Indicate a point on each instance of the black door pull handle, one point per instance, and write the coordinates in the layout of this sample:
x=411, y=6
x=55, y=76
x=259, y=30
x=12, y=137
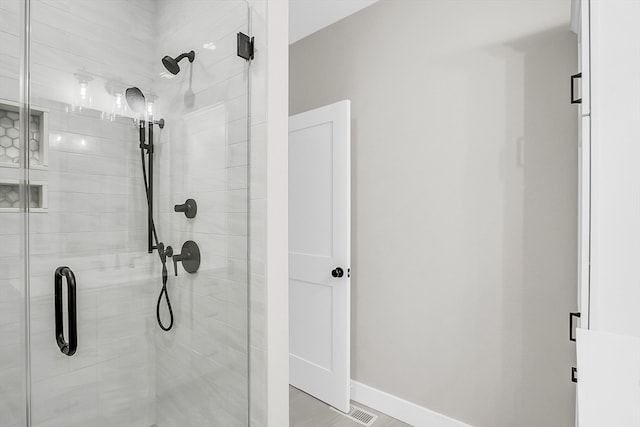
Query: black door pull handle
x=68, y=348
x=337, y=272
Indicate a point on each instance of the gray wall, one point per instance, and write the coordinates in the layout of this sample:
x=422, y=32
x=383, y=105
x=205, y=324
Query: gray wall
x=464, y=200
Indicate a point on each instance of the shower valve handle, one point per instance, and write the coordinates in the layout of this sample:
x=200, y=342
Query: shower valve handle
x=189, y=256
x=189, y=207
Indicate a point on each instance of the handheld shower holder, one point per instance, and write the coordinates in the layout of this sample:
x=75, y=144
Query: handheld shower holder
x=189, y=207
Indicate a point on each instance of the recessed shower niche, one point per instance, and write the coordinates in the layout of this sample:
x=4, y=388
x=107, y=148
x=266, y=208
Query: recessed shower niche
x=10, y=135
x=10, y=196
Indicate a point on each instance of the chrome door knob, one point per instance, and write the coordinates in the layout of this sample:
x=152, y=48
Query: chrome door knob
x=337, y=272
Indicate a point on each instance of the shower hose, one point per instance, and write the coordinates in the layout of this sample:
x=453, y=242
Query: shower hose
x=163, y=256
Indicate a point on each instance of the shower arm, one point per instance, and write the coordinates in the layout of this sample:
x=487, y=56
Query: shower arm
x=184, y=55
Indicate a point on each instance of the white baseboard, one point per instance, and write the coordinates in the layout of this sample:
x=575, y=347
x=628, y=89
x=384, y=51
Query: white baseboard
x=400, y=409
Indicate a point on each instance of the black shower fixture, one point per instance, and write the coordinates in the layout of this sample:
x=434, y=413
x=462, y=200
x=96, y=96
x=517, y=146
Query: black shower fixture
x=136, y=100
x=171, y=64
x=138, y=103
x=190, y=208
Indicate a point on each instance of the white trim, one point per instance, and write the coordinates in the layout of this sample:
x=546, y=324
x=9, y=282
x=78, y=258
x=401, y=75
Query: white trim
x=277, y=212
x=574, y=26
x=400, y=409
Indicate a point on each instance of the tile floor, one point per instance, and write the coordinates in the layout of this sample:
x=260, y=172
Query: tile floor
x=306, y=411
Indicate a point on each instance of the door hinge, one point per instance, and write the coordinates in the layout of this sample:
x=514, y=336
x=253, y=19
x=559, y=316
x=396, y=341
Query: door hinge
x=245, y=46
x=574, y=374
x=575, y=100
x=348, y=272
x=571, y=316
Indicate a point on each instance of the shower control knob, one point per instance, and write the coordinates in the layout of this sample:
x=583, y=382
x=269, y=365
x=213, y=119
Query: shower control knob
x=189, y=256
x=190, y=208
x=337, y=272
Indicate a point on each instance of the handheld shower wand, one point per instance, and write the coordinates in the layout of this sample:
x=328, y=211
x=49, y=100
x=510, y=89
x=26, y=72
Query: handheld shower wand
x=137, y=102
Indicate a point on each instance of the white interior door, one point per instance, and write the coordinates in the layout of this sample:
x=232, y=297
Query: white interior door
x=319, y=253
x=608, y=347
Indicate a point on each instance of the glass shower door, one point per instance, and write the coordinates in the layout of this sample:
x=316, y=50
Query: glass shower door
x=202, y=364
x=89, y=229
x=117, y=132
x=13, y=200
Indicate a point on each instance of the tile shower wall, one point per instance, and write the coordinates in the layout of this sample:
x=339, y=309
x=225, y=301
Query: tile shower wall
x=202, y=366
x=95, y=223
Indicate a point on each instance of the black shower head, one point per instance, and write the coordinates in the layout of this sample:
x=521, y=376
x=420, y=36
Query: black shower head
x=138, y=103
x=171, y=64
x=136, y=100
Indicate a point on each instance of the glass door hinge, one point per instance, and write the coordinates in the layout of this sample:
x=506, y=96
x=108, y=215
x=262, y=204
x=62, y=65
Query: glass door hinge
x=245, y=46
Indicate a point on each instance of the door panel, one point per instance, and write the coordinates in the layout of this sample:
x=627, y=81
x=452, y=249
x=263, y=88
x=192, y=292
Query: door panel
x=319, y=243
x=313, y=195
x=608, y=379
x=311, y=335
x=615, y=178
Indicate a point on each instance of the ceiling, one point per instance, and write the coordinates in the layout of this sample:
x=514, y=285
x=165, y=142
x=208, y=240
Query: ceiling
x=308, y=16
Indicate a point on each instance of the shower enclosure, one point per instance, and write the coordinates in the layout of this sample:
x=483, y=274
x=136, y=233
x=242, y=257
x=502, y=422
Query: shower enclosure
x=80, y=291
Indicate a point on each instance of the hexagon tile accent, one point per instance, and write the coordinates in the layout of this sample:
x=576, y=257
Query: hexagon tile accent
x=10, y=196
x=10, y=138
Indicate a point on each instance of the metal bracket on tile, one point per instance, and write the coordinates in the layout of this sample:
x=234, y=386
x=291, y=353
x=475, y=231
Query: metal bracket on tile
x=245, y=46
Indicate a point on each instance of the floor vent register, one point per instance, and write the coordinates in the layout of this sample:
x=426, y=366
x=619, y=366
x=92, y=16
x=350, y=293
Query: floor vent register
x=359, y=415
